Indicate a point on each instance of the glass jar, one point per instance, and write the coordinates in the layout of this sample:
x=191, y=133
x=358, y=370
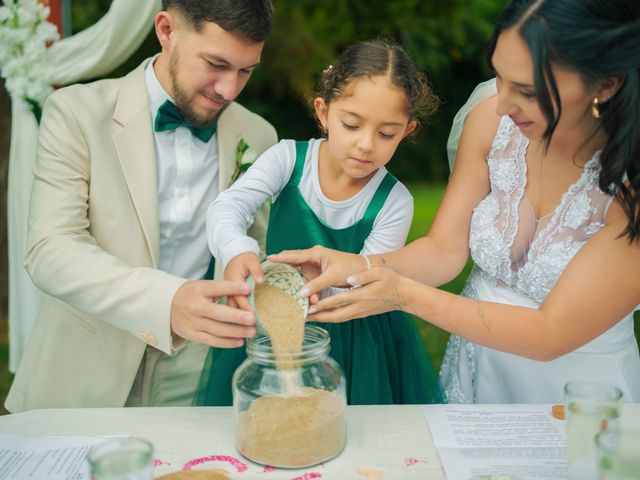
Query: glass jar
x=122, y=459
x=291, y=412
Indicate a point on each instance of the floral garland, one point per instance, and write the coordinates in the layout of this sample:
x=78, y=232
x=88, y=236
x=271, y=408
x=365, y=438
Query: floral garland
x=24, y=36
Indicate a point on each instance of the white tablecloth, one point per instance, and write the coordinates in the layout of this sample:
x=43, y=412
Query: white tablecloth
x=383, y=442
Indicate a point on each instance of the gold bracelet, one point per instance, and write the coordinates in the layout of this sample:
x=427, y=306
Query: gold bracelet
x=366, y=259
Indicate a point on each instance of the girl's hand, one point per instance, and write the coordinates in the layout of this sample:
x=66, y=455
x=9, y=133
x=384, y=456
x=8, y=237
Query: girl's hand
x=238, y=270
x=325, y=267
x=374, y=291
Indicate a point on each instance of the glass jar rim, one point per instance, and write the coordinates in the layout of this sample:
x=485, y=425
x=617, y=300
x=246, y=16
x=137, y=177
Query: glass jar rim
x=138, y=445
x=315, y=346
x=592, y=389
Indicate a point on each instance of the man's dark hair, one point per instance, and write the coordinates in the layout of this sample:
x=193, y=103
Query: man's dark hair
x=252, y=19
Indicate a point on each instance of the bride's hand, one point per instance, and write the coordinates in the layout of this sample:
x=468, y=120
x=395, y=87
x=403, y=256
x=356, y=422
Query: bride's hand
x=322, y=267
x=374, y=291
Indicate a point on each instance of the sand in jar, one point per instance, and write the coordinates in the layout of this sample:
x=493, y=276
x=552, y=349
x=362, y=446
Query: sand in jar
x=301, y=426
x=294, y=431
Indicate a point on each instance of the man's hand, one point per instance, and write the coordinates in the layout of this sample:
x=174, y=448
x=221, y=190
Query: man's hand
x=197, y=316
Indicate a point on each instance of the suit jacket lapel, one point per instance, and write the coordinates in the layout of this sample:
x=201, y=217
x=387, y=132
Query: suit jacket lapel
x=229, y=134
x=134, y=144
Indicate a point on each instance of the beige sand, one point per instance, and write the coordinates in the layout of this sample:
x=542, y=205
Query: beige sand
x=282, y=317
x=302, y=426
x=293, y=431
x=216, y=474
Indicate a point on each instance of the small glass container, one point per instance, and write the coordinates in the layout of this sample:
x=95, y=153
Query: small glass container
x=122, y=459
x=290, y=413
x=618, y=454
x=590, y=407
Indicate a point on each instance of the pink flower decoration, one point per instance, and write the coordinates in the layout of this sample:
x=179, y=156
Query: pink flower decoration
x=234, y=462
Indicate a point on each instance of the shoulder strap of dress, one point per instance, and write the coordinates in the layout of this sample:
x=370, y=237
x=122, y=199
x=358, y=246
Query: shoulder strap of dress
x=301, y=154
x=380, y=197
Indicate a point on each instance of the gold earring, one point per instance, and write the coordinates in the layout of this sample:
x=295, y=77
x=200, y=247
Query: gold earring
x=595, y=108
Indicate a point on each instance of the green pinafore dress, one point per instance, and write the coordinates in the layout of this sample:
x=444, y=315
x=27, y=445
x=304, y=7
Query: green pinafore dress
x=383, y=357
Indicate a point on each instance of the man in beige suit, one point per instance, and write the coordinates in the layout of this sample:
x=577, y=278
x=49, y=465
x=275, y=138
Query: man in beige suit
x=125, y=171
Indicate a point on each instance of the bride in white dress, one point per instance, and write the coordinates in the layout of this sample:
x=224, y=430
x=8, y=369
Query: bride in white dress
x=518, y=259
x=544, y=196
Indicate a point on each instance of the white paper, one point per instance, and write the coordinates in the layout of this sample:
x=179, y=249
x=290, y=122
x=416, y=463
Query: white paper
x=504, y=441
x=46, y=458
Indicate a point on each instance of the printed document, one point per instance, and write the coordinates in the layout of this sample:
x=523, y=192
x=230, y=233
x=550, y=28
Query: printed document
x=498, y=441
x=45, y=458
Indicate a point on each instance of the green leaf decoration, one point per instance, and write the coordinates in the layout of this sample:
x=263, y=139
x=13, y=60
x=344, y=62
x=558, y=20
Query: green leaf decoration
x=35, y=108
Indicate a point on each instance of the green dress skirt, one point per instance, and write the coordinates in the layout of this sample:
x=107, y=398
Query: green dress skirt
x=383, y=357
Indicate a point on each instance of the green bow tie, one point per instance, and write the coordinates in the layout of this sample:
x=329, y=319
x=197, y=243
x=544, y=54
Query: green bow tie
x=170, y=118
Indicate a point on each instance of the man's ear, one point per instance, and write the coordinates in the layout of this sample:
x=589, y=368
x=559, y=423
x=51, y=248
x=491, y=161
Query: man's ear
x=165, y=25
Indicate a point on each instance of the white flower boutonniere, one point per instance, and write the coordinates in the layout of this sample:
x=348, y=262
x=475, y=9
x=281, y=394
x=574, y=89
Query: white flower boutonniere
x=245, y=156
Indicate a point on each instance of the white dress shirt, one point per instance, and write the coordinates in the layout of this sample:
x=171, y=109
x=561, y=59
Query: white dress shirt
x=187, y=183
x=232, y=212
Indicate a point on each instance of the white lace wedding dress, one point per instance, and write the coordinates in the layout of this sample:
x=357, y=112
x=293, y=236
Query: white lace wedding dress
x=518, y=260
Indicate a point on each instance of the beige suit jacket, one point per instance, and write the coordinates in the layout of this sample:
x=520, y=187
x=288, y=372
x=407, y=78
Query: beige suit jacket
x=94, y=242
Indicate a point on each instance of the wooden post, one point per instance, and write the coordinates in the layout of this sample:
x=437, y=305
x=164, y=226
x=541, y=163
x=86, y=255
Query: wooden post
x=60, y=15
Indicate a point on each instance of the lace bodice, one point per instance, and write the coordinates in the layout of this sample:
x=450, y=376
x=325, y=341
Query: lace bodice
x=519, y=256
x=508, y=244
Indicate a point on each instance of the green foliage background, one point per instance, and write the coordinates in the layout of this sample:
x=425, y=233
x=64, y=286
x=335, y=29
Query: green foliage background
x=445, y=39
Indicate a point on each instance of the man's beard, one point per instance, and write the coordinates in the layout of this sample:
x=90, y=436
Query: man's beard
x=182, y=99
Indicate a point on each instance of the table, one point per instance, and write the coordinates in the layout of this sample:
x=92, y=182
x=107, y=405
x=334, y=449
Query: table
x=387, y=442
x=384, y=442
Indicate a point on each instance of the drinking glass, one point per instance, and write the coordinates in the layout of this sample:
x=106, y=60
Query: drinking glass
x=591, y=407
x=618, y=454
x=122, y=459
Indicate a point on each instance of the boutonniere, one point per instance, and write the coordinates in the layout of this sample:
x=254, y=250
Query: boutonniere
x=245, y=156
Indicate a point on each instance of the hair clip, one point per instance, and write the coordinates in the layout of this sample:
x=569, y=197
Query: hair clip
x=328, y=69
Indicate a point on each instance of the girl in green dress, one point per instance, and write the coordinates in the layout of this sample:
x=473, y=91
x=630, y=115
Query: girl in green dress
x=336, y=192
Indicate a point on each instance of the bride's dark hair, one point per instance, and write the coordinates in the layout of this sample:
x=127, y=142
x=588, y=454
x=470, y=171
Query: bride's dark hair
x=598, y=39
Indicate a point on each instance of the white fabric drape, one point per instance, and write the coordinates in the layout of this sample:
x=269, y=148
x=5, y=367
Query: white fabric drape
x=91, y=53
x=483, y=90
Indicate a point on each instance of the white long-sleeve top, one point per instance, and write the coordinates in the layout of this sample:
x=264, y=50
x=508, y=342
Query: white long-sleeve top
x=232, y=212
x=187, y=183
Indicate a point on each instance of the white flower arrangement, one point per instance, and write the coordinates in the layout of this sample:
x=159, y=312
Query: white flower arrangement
x=24, y=36
x=245, y=156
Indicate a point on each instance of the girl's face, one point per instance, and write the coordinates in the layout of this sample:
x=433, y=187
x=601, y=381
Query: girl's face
x=364, y=125
x=517, y=95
